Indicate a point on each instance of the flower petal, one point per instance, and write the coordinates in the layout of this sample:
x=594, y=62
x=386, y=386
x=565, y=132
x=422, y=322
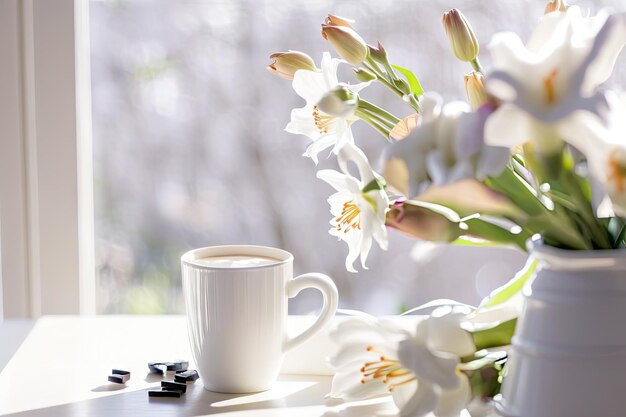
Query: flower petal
x=445, y=333
x=302, y=123
x=353, y=239
x=433, y=367
x=310, y=85
x=318, y=145
x=329, y=70
x=431, y=105
x=508, y=126
x=366, y=245
x=340, y=182
x=608, y=43
x=348, y=352
x=421, y=403
x=347, y=384
x=452, y=402
x=343, y=134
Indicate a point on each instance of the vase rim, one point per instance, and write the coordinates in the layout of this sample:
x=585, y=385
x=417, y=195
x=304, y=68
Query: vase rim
x=570, y=259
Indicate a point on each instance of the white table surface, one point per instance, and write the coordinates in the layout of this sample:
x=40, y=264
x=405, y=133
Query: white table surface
x=61, y=369
x=12, y=334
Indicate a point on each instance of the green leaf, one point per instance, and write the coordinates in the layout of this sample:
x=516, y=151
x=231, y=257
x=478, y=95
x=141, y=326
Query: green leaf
x=616, y=227
x=514, y=286
x=494, y=233
x=416, y=87
x=470, y=241
x=518, y=190
x=498, y=335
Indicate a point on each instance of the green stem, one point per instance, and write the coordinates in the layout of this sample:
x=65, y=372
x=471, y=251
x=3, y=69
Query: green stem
x=585, y=209
x=366, y=117
x=368, y=106
x=381, y=76
x=476, y=65
x=484, y=375
x=388, y=125
x=385, y=78
x=414, y=102
x=554, y=224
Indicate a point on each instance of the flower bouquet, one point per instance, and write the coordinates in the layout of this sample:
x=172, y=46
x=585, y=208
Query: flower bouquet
x=537, y=153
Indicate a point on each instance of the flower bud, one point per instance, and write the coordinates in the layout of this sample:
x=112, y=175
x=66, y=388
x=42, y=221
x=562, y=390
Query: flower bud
x=286, y=64
x=348, y=44
x=340, y=102
x=378, y=53
x=556, y=6
x=424, y=221
x=332, y=20
x=461, y=36
x=475, y=89
x=364, y=75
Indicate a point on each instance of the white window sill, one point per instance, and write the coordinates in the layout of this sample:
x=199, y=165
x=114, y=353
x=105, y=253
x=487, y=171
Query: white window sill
x=61, y=369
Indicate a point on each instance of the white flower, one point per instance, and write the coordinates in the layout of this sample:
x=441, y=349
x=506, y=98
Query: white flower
x=604, y=145
x=418, y=366
x=358, y=207
x=325, y=130
x=433, y=355
x=366, y=363
x=447, y=146
x=545, y=83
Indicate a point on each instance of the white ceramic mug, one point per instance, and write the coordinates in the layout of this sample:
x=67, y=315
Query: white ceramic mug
x=236, y=315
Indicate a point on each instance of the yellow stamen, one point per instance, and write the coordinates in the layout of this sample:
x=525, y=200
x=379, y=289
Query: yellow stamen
x=389, y=371
x=322, y=121
x=350, y=217
x=548, y=84
x=617, y=172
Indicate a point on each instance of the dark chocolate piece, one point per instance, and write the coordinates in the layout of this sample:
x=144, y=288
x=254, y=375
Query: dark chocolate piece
x=162, y=367
x=161, y=393
x=173, y=386
x=157, y=367
x=186, y=376
x=178, y=365
x=119, y=372
x=119, y=379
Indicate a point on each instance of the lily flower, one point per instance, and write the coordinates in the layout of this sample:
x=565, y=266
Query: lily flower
x=358, y=207
x=604, y=145
x=418, y=365
x=324, y=129
x=445, y=147
x=366, y=363
x=547, y=82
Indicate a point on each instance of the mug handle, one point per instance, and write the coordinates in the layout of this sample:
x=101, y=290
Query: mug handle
x=327, y=287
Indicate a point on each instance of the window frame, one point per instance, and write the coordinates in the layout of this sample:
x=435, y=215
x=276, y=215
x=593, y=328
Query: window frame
x=46, y=181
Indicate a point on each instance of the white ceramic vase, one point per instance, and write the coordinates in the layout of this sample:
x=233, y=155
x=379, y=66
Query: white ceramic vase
x=569, y=351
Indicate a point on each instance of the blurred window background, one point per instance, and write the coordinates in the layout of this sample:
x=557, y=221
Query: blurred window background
x=190, y=151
